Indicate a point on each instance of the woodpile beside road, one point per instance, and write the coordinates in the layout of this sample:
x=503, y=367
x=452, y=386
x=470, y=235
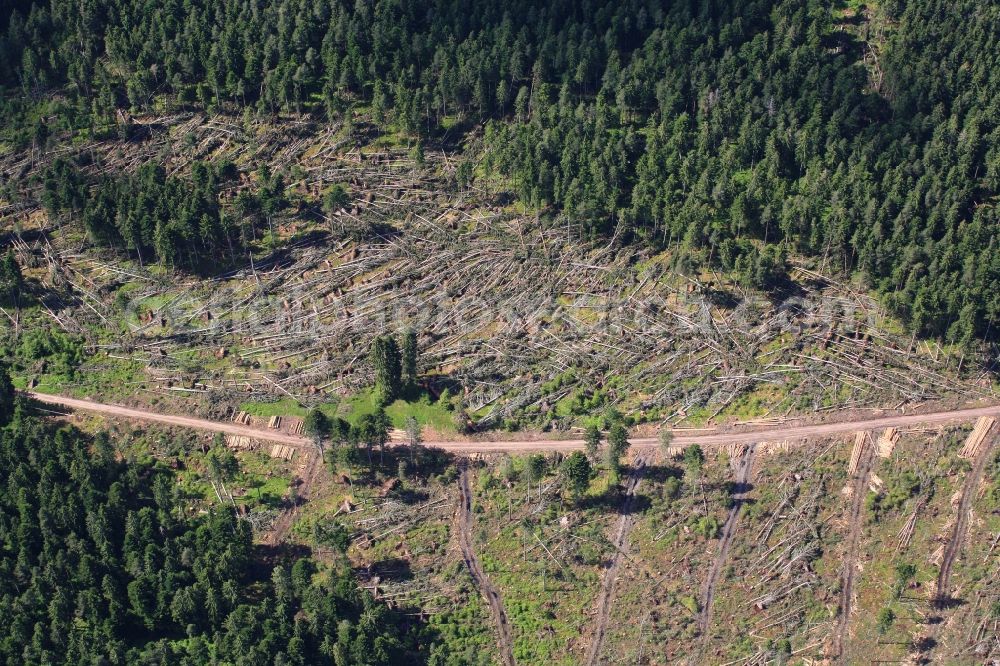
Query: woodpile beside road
x=282, y=451
x=860, y=440
x=976, y=438
x=887, y=442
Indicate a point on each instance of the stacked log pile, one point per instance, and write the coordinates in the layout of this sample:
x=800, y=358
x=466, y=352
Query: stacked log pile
x=974, y=441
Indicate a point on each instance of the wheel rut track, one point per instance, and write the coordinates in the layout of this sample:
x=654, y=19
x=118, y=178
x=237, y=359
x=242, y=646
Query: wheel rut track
x=942, y=595
x=620, y=543
x=729, y=529
x=287, y=517
x=954, y=547
x=505, y=640
x=853, y=538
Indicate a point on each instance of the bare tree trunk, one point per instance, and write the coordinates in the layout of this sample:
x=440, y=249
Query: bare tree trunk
x=228, y=494
x=217, y=494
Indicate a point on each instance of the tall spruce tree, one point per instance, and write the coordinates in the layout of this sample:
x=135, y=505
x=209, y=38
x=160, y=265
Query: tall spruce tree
x=387, y=364
x=409, y=362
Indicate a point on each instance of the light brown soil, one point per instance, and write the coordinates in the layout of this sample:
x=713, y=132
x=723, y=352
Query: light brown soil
x=749, y=436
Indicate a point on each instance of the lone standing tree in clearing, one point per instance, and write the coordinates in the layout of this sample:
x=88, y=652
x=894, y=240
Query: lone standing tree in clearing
x=592, y=442
x=666, y=441
x=409, y=362
x=617, y=446
x=535, y=470
x=576, y=473
x=694, y=460
x=317, y=426
x=386, y=362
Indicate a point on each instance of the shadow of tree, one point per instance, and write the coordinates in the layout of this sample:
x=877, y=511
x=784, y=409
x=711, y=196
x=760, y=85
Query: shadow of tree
x=394, y=569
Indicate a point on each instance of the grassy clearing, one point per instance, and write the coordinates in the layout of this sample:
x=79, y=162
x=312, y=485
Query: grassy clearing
x=434, y=414
x=548, y=590
x=887, y=511
x=671, y=548
x=413, y=552
x=757, y=403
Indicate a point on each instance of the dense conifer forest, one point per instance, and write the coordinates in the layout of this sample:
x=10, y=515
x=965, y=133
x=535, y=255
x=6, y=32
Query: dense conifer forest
x=863, y=134
x=174, y=220
x=100, y=564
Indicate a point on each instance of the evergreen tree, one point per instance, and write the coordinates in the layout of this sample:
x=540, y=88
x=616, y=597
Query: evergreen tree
x=222, y=467
x=694, y=460
x=11, y=280
x=576, y=473
x=666, y=440
x=535, y=470
x=8, y=396
x=316, y=425
x=386, y=362
x=373, y=430
x=409, y=362
x=592, y=441
x=414, y=436
x=617, y=445
x=334, y=199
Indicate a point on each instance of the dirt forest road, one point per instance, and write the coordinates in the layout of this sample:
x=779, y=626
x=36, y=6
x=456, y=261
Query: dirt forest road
x=287, y=516
x=769, y=434
x=130, y=414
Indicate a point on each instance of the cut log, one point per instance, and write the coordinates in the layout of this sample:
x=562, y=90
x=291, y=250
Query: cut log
x=976, y=438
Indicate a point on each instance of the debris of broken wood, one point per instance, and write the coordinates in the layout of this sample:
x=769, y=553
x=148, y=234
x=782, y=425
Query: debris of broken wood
x=887, y=442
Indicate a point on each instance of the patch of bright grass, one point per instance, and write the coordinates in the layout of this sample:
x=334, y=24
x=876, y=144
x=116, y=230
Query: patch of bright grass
x=427, y=412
